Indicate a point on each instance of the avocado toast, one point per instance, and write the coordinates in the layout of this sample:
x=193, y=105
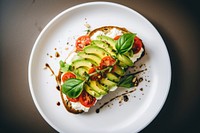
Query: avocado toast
x=98, y=66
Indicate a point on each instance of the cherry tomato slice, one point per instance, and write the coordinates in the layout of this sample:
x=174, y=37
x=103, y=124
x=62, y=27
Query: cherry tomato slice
x=117, y=37
x=114, y=68
x=86, y=99
x=91, y=70
x=67, y=76
x=137, y=45
x=73, y=99
x=96, y=76
x=107, y=61
x=82, y=41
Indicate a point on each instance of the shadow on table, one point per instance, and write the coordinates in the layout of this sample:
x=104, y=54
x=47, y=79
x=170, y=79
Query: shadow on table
x=168, y=120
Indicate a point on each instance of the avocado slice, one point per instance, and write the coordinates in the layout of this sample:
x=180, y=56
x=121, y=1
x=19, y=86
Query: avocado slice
x=102, y=86
x=80, y=72
x=129, y=53
x=104, y=45
x=118, y=70
x=108, y=40
x=96, y=88
x=96, y=51
x=91, y=91
x=112, y=77
x=126, y=60
x=122, y=64
x=92, y=57
x=83, y=63
x=107, y=82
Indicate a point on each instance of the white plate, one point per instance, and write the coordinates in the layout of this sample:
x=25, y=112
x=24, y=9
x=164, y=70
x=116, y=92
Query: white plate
x=131, y=116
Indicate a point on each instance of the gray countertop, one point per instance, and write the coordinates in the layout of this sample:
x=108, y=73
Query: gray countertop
x=21, y=21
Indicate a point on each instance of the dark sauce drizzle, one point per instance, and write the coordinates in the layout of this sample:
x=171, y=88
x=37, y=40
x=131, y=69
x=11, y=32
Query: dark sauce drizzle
x=124, y=96
x=58, y=87
x=57, y=77
x=58, y=103
x=47, y=66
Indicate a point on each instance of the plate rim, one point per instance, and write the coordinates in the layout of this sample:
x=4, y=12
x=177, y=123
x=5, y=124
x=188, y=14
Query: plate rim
x=60, y=15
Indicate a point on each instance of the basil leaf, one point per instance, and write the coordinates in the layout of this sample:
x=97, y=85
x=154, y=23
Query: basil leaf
x=73, y=87
x=126, y=82
x=125, y=43
x=64, y=67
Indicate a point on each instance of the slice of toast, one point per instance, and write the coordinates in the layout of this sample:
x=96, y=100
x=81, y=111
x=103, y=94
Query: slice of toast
x=105, y=29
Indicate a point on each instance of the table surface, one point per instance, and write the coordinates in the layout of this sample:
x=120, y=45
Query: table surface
x=176, y=20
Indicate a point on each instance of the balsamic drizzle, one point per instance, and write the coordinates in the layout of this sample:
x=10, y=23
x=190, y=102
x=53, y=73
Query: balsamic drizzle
x=124, y=96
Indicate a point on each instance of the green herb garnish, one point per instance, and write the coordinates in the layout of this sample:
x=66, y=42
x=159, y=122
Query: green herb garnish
x=64, y=67
x=73, y=87
x=126, y=81
x=125, y=43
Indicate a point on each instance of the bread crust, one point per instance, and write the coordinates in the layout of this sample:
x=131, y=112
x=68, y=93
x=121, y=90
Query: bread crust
x=106, y=29
x=68, y=105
